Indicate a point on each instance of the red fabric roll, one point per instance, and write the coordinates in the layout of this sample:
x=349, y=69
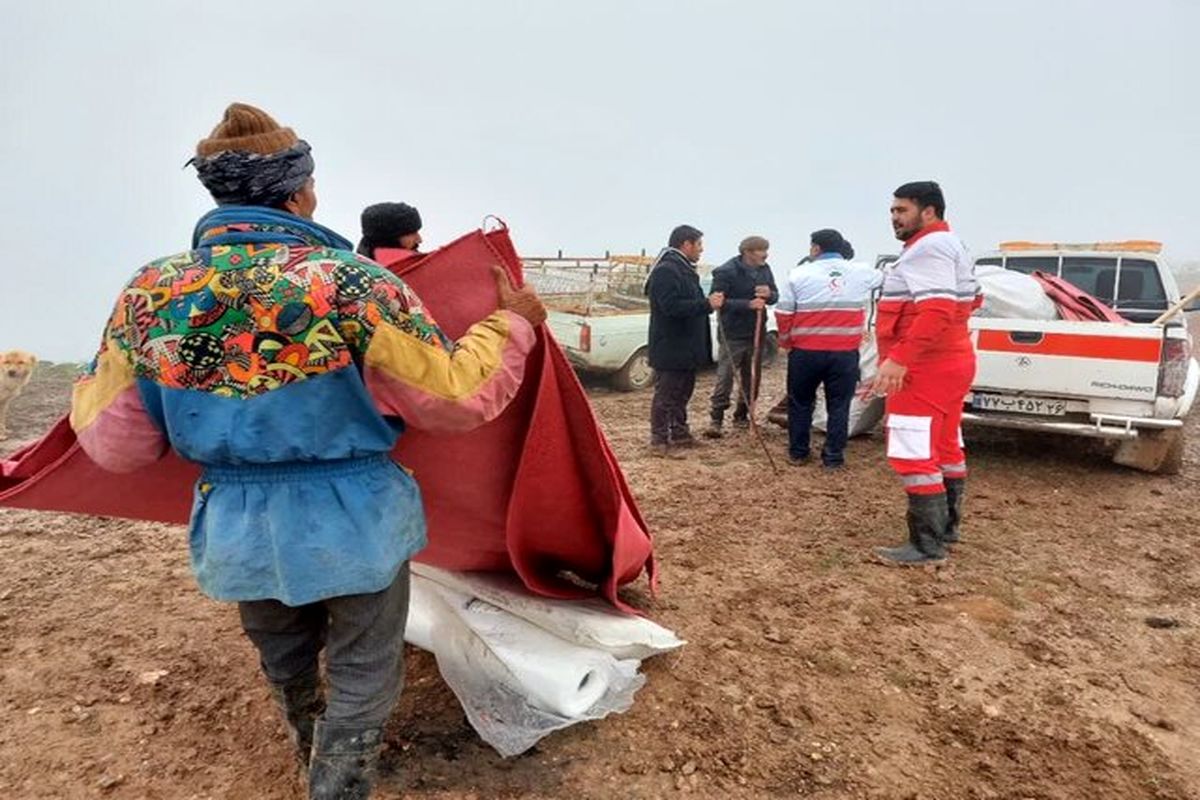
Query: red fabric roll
x=537, y=491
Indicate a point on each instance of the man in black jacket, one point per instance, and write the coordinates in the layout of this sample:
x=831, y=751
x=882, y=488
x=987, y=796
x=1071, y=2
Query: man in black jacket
x=749, y=287
x=680, y=342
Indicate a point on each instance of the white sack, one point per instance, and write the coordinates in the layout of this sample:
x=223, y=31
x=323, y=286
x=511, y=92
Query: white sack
x=1008, y=294
x=866, y=410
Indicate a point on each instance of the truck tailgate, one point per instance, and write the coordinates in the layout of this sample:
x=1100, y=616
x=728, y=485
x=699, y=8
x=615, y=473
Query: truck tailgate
x=1067, y=359
x=565, y=327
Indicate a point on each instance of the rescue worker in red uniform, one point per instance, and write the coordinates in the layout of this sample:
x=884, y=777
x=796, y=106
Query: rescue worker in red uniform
x=927, y=363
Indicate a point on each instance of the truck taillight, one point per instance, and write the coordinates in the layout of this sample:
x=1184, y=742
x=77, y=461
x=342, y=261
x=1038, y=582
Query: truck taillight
x=1176, y=354
x=585, y=338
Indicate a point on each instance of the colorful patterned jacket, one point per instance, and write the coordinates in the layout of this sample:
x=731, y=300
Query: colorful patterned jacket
x=287, y=366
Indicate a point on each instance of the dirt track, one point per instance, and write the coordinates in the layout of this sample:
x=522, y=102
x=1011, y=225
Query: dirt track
x=1024, y=670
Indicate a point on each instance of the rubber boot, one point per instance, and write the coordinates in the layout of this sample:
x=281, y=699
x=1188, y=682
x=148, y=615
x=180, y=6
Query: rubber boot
x=927, y=516
x=343, y=762
x=301, y=702
x=955, y=491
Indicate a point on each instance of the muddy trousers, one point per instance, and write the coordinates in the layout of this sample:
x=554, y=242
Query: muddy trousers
x=924, y=426
x=363, y=639
x=668, y=410
x=737, y=355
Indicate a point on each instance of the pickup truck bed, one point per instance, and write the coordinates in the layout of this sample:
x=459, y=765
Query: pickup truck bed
x=1133, y=384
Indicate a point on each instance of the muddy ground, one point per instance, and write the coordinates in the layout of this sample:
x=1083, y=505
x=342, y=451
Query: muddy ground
x=1025, y=669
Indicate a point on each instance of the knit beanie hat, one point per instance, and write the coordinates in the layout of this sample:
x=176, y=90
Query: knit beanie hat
x=753, y=243
x=249, y=160
x=247, y=129
x=828, y=240
x=384, y=223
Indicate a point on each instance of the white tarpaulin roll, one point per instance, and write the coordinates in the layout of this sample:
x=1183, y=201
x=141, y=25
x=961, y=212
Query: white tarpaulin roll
x=590, y=623
x=517, y=681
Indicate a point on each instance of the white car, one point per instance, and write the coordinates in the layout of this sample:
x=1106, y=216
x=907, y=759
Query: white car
x=607, y=338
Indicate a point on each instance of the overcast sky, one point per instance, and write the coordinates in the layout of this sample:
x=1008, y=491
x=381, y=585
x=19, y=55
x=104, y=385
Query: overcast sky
x=591, y=126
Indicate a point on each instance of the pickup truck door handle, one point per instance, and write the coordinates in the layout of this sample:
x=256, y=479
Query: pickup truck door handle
x=1025, y=337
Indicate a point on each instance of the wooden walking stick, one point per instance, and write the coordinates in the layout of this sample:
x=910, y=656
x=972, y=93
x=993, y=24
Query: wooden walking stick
x=751, y=398
x=758, y=326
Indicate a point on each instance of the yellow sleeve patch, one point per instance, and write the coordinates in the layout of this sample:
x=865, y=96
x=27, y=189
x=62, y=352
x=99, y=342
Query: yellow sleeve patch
x=430, y=368
x=91, y=395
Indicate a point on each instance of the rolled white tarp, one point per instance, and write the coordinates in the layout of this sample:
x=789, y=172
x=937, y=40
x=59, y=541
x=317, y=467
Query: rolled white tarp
x=590, y=623
x=517, y=681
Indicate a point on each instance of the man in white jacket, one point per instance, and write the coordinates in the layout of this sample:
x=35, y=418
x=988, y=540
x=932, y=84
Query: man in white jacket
x=822, y=312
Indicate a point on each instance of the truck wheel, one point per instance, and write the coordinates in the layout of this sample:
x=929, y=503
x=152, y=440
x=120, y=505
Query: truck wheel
x=637, y=373
x=1160, y=452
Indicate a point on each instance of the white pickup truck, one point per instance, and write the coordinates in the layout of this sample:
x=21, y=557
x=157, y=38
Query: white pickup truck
x=605, y=329
x=1129, y=383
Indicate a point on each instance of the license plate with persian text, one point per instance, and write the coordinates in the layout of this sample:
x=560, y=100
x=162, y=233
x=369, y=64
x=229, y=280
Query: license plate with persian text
x=1018, y=404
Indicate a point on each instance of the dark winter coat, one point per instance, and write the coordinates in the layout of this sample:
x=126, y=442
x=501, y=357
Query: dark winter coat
x=679, y=334
x=738, y=282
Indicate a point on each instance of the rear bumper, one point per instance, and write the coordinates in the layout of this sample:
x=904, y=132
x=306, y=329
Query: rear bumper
x=1102, y=426
x=579, y=361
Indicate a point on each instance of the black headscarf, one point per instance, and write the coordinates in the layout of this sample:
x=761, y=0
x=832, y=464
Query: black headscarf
x=237, y=177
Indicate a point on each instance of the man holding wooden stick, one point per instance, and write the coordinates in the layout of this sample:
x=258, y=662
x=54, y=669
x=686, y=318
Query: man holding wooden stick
x=749, y=287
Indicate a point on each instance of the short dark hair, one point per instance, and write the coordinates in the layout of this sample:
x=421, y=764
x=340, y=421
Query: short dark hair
x=684, y=233
x=828, y=240
x=923, y=193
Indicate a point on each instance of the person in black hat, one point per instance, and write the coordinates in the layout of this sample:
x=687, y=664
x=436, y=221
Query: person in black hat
x=391, y=233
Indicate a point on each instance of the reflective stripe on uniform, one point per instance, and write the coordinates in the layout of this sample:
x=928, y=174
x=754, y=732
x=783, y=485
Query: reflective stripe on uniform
x=921, y=480
x=826, y=331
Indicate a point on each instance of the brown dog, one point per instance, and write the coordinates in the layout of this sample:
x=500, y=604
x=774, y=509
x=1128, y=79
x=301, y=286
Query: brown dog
x=16, y=367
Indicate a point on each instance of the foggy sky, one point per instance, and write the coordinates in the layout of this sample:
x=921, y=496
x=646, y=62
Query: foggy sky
x=591, y=126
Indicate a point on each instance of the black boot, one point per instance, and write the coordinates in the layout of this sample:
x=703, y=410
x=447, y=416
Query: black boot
x=927, y=520
x=343, y=762
x=302, y=702
x=956, y=489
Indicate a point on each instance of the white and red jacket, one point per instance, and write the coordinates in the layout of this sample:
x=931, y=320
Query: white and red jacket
x=928, y=296
x=823, y=304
